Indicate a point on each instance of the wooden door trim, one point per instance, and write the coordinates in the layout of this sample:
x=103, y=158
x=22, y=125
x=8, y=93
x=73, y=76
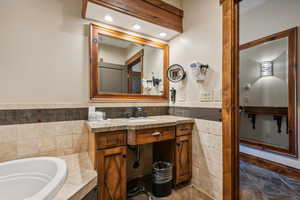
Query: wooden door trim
x=266, y=147
x=135, y=57
x=272, y=166
x=230, y=100
x=138, y=56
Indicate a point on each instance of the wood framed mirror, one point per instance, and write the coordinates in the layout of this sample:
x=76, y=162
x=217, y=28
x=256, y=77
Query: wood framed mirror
x=268, y=95
x=127, y=67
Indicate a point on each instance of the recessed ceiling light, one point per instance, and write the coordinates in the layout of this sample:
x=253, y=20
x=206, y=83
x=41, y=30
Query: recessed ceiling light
x=108, y=18
x=137, y=27
x=162, y=34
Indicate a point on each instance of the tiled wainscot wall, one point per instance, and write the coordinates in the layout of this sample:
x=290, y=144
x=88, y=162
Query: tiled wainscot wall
x=58, y=132
x=207, y=149
x=52, y=131
x=207, y=158
x=42, y=139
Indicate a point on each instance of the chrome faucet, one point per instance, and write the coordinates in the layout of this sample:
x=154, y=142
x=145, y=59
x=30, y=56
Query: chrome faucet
x=139, y=112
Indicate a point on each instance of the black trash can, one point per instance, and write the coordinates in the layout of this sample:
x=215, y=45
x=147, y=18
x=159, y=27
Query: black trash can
x=162, y=179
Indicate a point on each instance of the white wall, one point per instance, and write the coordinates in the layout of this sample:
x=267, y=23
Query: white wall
x=269, y=18
x=153, y=62
x=264, y=91
x=270, y=90
x=44, y=52
x=201, y=41
x=112, y=54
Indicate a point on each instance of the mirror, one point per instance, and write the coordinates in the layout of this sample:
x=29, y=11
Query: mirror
x=176, y=73
x=126, y=66
x=268, y=92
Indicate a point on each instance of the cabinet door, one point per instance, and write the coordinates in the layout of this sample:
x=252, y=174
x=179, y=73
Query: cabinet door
x=112, y=178
x=183, y=159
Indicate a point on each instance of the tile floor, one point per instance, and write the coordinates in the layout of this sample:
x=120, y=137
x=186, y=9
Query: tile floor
x=256, y=184
x=186, y=193
x=261, y=184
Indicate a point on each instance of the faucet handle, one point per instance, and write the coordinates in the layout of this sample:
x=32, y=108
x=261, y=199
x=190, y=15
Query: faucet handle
x=127, y=114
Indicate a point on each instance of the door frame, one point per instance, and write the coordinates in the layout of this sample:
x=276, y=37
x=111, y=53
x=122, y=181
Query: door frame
x=130, y=62
x=230, y=99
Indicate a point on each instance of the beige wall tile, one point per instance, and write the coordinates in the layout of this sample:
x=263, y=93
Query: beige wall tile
x=8, y=133
x=28, y=147
x=8, y=151
x=47, y=144
x=80, y=142
x=79, y=127
x=28, y=131
x=64, y=128
x=43, y=139
x=48, y=129
x=64, y=142
x=207, y=158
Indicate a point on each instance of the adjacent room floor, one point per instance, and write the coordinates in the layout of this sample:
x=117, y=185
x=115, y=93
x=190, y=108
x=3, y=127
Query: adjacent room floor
x=187, y=193
x=261, y=184
x=256, y=184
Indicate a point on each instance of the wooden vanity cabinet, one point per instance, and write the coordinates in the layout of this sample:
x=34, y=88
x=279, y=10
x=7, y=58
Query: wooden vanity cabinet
x=183, y=159
x=183, y=153
x=108, y=153
x=112, y=177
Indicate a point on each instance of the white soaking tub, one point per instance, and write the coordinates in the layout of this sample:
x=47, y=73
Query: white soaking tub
x=32, y=178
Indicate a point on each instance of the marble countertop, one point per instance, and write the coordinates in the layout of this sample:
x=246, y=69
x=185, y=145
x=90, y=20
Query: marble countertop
x=81, y=177
x=132, y=124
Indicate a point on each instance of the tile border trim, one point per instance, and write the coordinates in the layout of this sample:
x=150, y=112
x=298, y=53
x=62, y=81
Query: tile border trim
x=40, y=115
x=211, y=114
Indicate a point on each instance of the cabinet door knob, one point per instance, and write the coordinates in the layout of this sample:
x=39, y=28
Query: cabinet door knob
x=156, y=134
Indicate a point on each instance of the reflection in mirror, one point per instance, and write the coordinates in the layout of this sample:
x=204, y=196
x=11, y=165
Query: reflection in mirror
x=267, y=93
x=129, y=68
x=264, y=86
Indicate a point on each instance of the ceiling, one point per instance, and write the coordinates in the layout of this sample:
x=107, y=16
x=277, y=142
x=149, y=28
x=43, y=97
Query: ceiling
x=97, y=13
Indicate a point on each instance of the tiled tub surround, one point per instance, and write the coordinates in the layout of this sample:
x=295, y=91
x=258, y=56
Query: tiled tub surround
x=81, y=177
x=42, y=139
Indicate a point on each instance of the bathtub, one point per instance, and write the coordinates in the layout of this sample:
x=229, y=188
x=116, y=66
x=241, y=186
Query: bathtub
x=32, y=178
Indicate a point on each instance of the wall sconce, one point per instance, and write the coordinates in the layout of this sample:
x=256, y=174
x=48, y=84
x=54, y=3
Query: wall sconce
x=266, y=68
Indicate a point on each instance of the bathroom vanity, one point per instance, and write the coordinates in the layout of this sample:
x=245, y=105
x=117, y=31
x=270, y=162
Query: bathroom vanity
x=172, y=142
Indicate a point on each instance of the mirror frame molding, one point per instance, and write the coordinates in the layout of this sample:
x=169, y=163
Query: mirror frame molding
x=95, y=30
x=291, y=35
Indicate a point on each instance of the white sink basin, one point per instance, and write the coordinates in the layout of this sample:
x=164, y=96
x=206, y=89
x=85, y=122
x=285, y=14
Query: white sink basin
x=141, y=120
x=32, y=178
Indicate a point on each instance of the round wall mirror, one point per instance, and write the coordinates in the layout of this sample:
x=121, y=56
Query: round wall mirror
x=176, y=73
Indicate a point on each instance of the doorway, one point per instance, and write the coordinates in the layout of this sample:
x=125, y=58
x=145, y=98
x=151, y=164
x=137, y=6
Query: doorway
x=262, y=131
x=135, y=73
